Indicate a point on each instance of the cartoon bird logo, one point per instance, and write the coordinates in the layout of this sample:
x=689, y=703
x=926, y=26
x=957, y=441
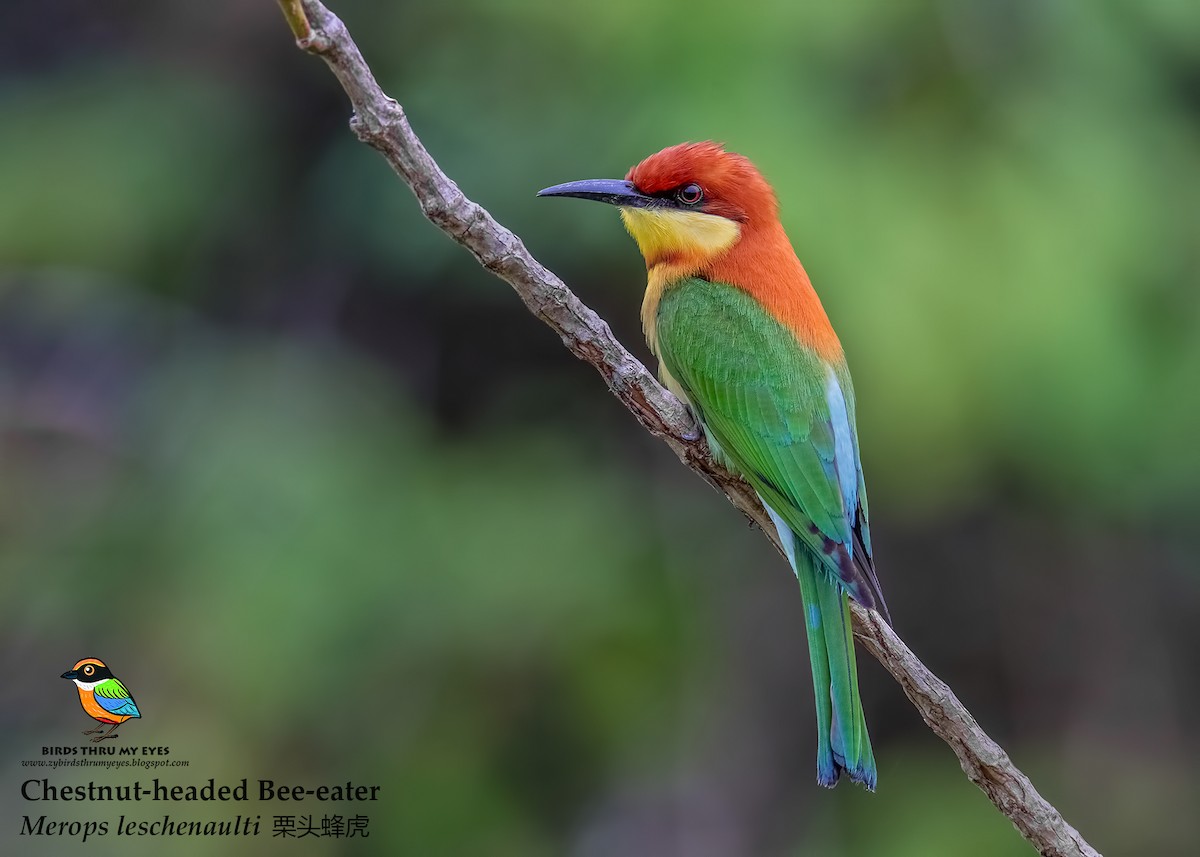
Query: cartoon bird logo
x=102, y=696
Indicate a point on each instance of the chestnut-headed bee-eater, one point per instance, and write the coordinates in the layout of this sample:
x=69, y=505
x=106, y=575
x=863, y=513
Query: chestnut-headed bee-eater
x=102, y=696
x=743, y=340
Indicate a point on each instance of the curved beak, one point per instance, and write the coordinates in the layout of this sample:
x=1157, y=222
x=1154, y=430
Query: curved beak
x=70, y=674
x=612, y=191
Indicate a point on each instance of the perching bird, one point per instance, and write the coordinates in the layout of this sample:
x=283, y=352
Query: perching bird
x=102, y=696
x=742, y=339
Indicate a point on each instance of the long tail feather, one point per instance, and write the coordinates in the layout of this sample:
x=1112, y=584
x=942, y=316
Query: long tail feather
x=850, y=743
x=818, y=653
x=842, y=741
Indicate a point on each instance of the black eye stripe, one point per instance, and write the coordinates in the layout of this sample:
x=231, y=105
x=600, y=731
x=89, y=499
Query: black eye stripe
x=687, y=194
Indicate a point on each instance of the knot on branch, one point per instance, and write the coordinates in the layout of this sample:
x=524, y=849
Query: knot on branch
x=315, y=42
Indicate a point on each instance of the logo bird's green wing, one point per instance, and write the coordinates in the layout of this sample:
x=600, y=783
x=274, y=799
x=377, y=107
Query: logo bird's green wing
x=112, y=696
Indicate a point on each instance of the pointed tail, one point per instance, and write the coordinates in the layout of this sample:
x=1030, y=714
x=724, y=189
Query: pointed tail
x=842, y=740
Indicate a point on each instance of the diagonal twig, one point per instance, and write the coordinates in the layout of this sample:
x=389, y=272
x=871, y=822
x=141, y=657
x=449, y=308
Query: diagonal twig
x=380, y=122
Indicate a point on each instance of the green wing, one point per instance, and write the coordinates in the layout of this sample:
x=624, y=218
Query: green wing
x=111, y=689
x=763, y=399
x=112, y=696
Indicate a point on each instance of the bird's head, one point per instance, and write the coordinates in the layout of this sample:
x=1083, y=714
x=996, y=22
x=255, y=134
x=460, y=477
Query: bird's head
x=87, y=672
x=685, y=205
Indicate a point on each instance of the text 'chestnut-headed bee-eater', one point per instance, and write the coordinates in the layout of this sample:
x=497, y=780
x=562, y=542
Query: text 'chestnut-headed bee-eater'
x=741, y=337
x=102, y=696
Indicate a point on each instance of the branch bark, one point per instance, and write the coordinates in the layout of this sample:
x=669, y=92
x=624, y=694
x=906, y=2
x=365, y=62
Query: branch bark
x=380, y=122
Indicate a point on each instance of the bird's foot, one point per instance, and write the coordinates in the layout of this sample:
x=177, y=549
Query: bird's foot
x=100, y=738
x=694, y=431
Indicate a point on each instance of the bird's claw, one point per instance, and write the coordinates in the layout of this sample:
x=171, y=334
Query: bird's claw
x=694, y=433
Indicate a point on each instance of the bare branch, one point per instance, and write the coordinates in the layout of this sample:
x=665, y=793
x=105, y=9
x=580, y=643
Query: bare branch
x=293, y=10
x=380, y=122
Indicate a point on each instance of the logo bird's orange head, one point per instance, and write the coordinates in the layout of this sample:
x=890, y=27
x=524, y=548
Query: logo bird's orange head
x=88, y=671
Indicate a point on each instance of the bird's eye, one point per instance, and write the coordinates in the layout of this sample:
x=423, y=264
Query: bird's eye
x=89, y=669
x=690, y=194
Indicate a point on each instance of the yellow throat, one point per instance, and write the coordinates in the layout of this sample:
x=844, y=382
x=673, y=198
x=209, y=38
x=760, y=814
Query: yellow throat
x=675, y=244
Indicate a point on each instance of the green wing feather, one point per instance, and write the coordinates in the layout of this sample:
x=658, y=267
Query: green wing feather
x=111, y=689
x=762, y=397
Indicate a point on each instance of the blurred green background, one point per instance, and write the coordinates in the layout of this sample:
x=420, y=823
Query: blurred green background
x=335, y=506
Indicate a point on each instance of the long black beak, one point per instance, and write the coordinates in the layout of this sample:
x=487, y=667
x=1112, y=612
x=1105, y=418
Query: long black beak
x=612, y=191
x=70, y=674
